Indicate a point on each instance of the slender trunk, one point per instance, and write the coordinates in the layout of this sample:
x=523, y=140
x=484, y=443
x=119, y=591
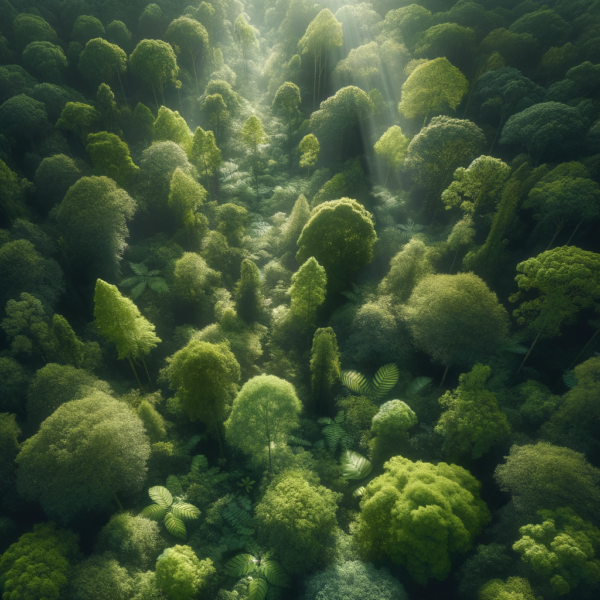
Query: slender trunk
x=584, y=349
x=387, y=174
x=559, y=228
x=155, y=99
x=119, y=503
x=315, y=84
x=496, y=137
x=207, y=179
x=537, y=337
x=444, y=377
x=452, y=265
x=162, y=95
x=425, y=120
x=145, y=367
x=574, y=232
x=195, y=76
x=135, y=372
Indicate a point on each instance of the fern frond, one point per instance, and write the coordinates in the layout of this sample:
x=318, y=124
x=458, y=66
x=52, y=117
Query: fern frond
x=158, y=284
x=325, y=421
x=161, y=496
x=385, y=379
x=569, y=379
x=333, y=434
x=257, y=590
x=138, y=289
x=319, y=445
x=199, y=463
x=175, y=526
x=294, y=441
x=240, y=565
x=339, y=418
x=417, y=384
x=355, y=466
x=274, y=573
x=356, y=382
x=192, y=442
x=130, y=281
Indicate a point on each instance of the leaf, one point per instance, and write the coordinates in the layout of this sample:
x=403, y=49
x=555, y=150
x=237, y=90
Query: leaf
x=174, y=485
x=417, y=384
x=139, y=269
x=325, y=421
x=192, y=442
x=274, y=593
x=295, y=441
x=356, y=382
x=355, y=466
x=158, y=284
x=569, y=379
x=161, y=496
x=333, y=433
x=129, y=282
x=385, y=379
x=182, y=510
x=257, y=590
x=240, y=565
x=275, y=573
x=138, y=289
x=199, y=463
x=154, y=512
x=339, y=418
x=358, y=492
x=175, y=526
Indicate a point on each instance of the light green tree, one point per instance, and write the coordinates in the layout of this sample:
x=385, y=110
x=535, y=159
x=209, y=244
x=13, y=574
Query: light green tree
x=182, y=575
x=309, y=151
x=286, y=102
x=69, y=477
x=215, y=108
x=419, y=515
x=86, y=28
x=171, y=126
x=103, y=62
x=79, y=118
x=248, y=298
x=204, y=376
x=110, y=157
x=193, y=279
x=120, y=322
x=433, y=86
x=294, y=225
x=205, y=154
x=308, y=292
x=462, y=234
x=100, y=577
x=245, y=36
x=263, y=414
x=253, y=135
x=190, y=38
x=472, y=422
x=325, y=368
x=392, y=147
x=514, y=588
x=70, y=348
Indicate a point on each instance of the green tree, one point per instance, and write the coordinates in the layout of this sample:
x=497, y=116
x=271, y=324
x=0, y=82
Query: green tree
x=324, y=366
x=204, y=376
x=171, y=126
x=11, y=194
x=29, y=28
x=46, y=61
x=567, y=281
x=433, y=86
x=38, y=564
x=155, y=63
x=448, y=40
x=24, y=118
x=520, y=50
x=105, y=102
x=215, y=108
x=190, y=38
x=9, y=449
x=103, y=62
x=86, y=28
x=391, y=148
x=545, y=25
x=292, y=498
x=406, y=22
x=308, y=292
x=193, y=279
x=462, y=234
x=286, y=102
x=563, y=551
x=456, y=319
x=245, y=36
x=205, y=154
x=70, y=348
x=545, y=475
x=93, y=220
x=515, y=588
x=152, y=22
x=438, y=150
x=55, y=175
x=118, y=34
x=182, y=575
x=70, y=478
x=419, y=515
x=78, y=118
x=322, y=35
x=309, y=150
x=472, y=422
x=110, y=157
x=231, y=222
x=253, y=135
x=294, y=225
x=340, y=236
x=100, y=577
x=248, y=298
x=263, y=414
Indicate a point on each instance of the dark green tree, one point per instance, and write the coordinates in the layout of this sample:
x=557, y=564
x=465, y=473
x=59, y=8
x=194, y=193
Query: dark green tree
x=324, y=366
x=248, y=297
x=27, y=28
x=205, y=154
x=110, y=157
x=189, y=38
x=87, y=28
x=286, y=102
x=103, y=62
x=46, y=61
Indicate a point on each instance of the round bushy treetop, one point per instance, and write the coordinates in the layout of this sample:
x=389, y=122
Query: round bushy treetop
x=22, y=116
x=353, y=580
x=134, y=541
x=182, y=575
x=394, y=419
x=83, y=454
x=55, y=98
x=13, y=384
x=419, y=515
x=456, y=319
x=32, y=28
x=53, y=178
x=45, y=60
x=53, y=385
x=296, y=517
x=515, y=588
x=100, y=577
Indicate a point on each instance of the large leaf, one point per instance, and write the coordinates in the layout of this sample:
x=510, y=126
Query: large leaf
x=182, y=510
x=139, y=269
x=174, y=485
x=175, y=526
x=385, y=379
x=569, y=379
x=240, y=565
x=138, y=289
x=275, y=573
x=356, y=382
x=161, y=496
x=158, y=284
x=154, y=512
x=417, y=384
x=199, y=463
x=192, y=442
x=130, y=281
x=358, y=492
x=355, y=466
x=333, y=434
x=257, y=590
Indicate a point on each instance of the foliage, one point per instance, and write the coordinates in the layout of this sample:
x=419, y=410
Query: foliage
x=248, y=298
x=383, y=381
x=515, y=588
x=154, y=62
x=393, y=420
x=144, y=277
x=308, y=292
x=101, y=577
x=324, y=364
x=172, y=511
x=309, y=149
x=264, y=569
x=334, y=433
x=45, y=60
x=355, y=466
x=182, y=576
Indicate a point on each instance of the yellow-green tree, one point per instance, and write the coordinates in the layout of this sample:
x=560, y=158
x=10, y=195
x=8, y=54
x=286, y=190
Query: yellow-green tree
x=309, y=149
x=253, y=134
x=392, y=147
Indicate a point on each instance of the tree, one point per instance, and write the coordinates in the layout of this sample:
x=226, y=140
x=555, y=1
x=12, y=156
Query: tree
x=393, y=420
x=204, y=376
x=38, y=564
x=110, y=157
x=253, y=135
x=308, y=292
x=118, y=34
x=353, y=580
x=71, y=349
x=462, y=234
x=563, y=551
x=323, y=34
x=92, y=218
x=71, y=478
x=340, y=236
x=205, y=154
x=215, y=108
x=11, y=194
x=392, y=147
x=438, y=150
x=105, y=101
x=55, y=175
x=100, y=577
x=155, y=63
x=171, y=126
x=477, y=189
x=286, y=102
x=545, y=25
x=295, y=497
x=515, y=588
x=294, y=225
x=248, y=299
x=152, y=22
x=24, y=117
x=45, y=60
x=545, y=475
x=231, y=222
x=15, y=80
x=406, y=22
x=190, y=38
x=456, y=319
x=472, y=421
x=9, y=449
x=55, y=98
x=78, y=118
x=245, y=36
x=193, y=279
x=182, y=575
x=419, y=515
x=309, y=150
x=545, y=125
x=448, y=40
x=54, y=385
x=263, y=414
x=86, y=28
x=103, y=62
x=433, y=86
x=28, y=28
x=120, y=322
x=567, y=279
x=324, y=365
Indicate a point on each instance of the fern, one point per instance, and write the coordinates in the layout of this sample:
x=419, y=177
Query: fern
x=355, y=466
x=192, y=442
x=238, y=514
x=171, y=513
x=199, y=463
x=334, y=433
x=174, y=485
x=410, y=229
x=294, y=441
x=144, y=278
x=569, y=379
x=356, y=382
x=417, y=385
x=385, y=379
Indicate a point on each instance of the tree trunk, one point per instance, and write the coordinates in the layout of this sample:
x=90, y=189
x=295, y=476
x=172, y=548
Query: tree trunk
x=452, y=265
x=559, y=228
x=528, y=352
x=147, y=374
x=444, y=377
x=574, y=232
x=135, y=373
x=584, y=349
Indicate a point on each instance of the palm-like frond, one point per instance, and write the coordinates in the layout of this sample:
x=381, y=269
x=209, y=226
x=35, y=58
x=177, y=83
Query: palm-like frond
x=569, y=379
x=161, y=496
x=199, y=463
x=183, y=510
x=192, y=442
x=240, y=565
x=295, y=441
x=138, y=289
x=355, y=466
x=257, y=590
x=174, y=485
x=417, y=384
x=144, y=278
x=139, y=269
x=274, y=573
x=158, y=284
x=129, y=282
x=175, y=526
x=385, y=379
x=154, y=512
x=410, y=229
x=356, y=382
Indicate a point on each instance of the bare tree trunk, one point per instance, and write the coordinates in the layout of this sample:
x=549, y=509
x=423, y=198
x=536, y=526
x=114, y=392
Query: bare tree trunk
x=574, y=232
x=135, y=372
x=528, y=353
x=444, y=377
x=584, y=349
